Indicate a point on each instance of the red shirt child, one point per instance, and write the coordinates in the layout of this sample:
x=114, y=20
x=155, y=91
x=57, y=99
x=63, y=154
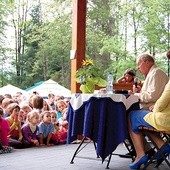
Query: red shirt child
x=4, y=129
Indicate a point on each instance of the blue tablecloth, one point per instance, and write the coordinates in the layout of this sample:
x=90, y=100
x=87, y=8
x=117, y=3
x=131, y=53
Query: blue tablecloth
x=101, y=119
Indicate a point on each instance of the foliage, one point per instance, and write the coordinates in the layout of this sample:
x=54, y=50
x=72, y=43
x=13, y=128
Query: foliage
x=89, y=76
x=116, y=32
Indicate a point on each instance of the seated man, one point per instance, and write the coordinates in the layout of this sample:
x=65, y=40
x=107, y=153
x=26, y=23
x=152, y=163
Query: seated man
x=152, y=87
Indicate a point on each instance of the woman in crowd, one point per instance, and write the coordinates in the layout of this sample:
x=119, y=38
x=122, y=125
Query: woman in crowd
x=158, y=118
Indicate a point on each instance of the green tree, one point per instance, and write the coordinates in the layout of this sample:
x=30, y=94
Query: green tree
x=54, y=44
x=117, y=31
x=3, y=49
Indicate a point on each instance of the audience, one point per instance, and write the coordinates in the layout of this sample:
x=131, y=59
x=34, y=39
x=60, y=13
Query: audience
x=21, y=117
x=1, y=99
x=15, y=134
x=46, y=106
x=8, y=96
x=4, y=129
x=26, y=108
x=51, y=101
x=30, y=129
x=37, y=103
x=32, y=122
x=61, y=108
x=67, y=101
x=59, y=135
x=5, y=103
x=46, y=128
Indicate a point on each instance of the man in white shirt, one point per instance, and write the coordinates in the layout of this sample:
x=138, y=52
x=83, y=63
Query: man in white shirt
x=154, y=84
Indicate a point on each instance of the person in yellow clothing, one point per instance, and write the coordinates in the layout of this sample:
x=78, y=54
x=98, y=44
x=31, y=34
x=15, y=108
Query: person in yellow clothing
x=160, y=117
x=157, y=117
x=15, y=135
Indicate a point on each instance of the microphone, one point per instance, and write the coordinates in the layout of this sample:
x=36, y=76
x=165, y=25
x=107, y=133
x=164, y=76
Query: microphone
x=136, y=82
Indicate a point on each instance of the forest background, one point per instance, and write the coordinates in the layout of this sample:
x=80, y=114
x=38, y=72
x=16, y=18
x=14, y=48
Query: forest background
x=36, y=36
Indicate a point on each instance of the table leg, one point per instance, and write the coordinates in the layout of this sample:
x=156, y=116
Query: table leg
x=77, y=150
x=107, y=166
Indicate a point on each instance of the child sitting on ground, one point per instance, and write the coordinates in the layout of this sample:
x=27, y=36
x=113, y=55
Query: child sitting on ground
x=46, y=128
x=4, y=130
x=62, y=108
x=5, y=103
x=15, y=134
x=62, y=121
x=30, y=129
x=59, y=135
x=22, y=117
x=26, y=108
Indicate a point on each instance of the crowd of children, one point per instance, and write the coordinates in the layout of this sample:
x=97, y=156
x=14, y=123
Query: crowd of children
x=32, y=121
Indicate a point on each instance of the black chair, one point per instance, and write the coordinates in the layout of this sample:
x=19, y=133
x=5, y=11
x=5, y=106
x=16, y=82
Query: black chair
x=158, y=151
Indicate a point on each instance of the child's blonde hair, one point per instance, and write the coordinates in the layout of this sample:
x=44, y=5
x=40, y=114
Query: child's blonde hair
x=61, y=101
x=33, y=113
x=43, y=113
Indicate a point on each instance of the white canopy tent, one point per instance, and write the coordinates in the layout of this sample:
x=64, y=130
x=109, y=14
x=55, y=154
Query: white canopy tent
x=51, y=86
x=10, y=89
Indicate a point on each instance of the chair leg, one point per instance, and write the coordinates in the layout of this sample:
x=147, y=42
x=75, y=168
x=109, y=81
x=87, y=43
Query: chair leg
x=130, y=150
x=158, y=151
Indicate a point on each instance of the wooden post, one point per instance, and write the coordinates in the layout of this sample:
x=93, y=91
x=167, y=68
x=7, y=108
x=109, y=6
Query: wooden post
x=78, y=40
